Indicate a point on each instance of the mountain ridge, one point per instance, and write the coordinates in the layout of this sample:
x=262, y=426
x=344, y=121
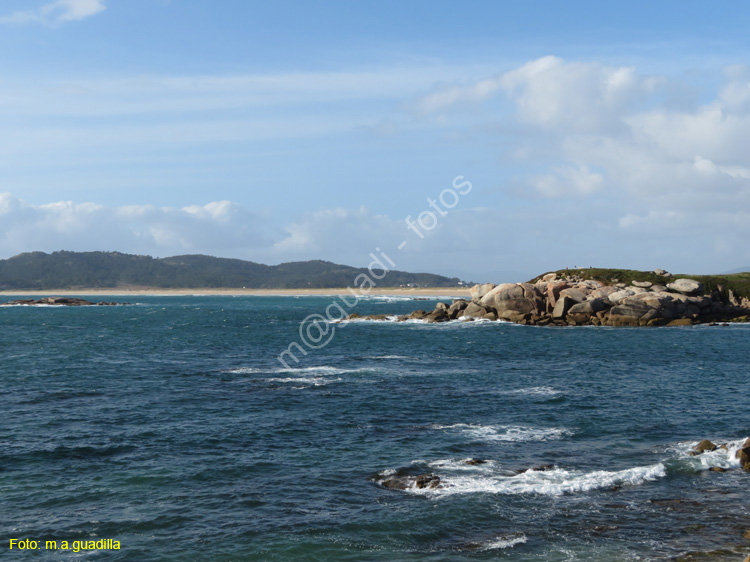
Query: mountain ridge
x=109, y=270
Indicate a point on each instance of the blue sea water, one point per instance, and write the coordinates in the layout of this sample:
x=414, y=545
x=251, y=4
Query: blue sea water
x=171, y=427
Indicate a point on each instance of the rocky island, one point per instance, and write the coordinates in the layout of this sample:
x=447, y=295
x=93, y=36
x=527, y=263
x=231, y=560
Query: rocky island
x=59, y=301
x=601, y=298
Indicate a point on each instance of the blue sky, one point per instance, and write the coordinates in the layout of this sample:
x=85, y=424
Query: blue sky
x=592, y=133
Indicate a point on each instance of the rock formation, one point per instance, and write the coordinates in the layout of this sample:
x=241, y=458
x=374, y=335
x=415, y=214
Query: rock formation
x=574, y=301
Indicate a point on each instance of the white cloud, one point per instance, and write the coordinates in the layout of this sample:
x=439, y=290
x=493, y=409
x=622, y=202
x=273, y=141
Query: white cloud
x=569, y=181
x=220, y=227
x=57, y=12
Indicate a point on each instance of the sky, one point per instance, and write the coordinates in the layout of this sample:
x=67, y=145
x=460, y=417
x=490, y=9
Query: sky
x=590, y=133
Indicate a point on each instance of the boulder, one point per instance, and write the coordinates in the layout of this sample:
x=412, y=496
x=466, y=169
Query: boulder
x=704, y=446
x=562, y=306
x=488, y=300
x=457, y=307
x=514, y=299
x=662, y=273
x=437, y=315
x=603, y=292
x=588, y=307
x=442, y=306
x=627, y=314
x=549, y=277
x=686, y=286
x=553, y=293
x=743, y=455
x=416, y=315
x=479, y=291
x=574, y=293
x=621, y=295
x=642, y=284
x=474, y=310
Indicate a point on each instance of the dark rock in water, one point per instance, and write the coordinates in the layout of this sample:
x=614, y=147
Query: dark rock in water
x=474, y=462
x=376, y=317
x=743, y=454
x=717, y=469
x=59, y=301
x=401, y=481
x=456, y=308
x=437, y=315
x=704, y=446
x=540, y=468
x=427, y=481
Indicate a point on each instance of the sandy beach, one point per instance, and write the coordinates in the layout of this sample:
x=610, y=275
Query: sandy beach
x=121, y=292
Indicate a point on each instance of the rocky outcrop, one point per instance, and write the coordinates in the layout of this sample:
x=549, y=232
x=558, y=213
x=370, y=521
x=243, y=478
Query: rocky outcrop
x=570, y=300
x=398, y=480
x=58, y=301
x=573, y=301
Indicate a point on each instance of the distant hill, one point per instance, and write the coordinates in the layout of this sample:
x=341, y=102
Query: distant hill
x=738, y=270
x=94, y=270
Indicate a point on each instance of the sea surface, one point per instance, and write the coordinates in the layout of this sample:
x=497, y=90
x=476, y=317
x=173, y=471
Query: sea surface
x=171, y=427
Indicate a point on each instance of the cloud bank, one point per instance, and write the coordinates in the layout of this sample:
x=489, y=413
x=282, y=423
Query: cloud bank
x=58, y=12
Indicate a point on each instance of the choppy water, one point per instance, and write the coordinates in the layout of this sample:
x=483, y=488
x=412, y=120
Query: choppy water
x=171, y=427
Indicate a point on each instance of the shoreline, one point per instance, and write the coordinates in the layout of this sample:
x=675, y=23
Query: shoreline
x=152, y=292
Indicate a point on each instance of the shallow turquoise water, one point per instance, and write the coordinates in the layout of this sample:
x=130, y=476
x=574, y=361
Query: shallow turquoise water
x=171, y=427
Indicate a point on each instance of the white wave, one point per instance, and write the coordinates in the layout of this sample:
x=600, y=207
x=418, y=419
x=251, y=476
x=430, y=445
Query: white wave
x=311, y=381
x=723, y=457
x=508, y=541
x=532, y=391
x=320, y=370
x=461, y=465
x=390, y=298
x=510, y=434
x=555, y=482
x=388, y=357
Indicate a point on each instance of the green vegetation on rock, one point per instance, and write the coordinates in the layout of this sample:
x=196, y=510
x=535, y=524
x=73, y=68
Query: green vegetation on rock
x=738, y=283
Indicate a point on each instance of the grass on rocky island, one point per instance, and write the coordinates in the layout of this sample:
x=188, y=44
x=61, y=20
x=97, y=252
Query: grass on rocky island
x=739, y=283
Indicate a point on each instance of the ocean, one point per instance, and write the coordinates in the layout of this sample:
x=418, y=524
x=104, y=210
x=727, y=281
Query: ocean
x=171, y=427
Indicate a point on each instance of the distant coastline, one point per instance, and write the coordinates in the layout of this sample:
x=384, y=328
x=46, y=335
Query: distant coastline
x=432, y=292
